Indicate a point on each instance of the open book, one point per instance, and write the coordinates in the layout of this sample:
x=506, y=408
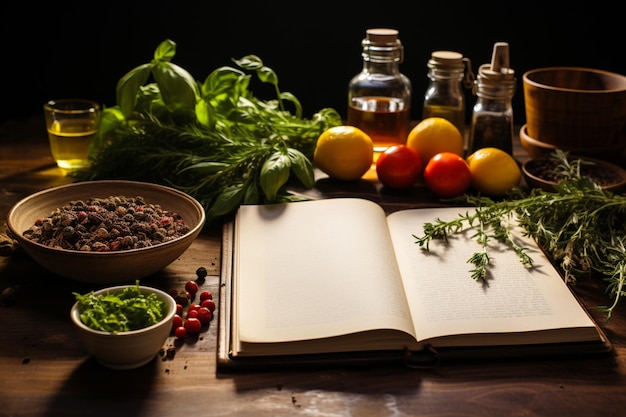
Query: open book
x=338, y=275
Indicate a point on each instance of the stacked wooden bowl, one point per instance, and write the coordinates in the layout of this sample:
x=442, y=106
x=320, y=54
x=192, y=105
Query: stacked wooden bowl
x=580, y=110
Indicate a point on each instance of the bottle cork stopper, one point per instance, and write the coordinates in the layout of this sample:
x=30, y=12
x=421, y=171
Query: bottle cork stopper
x=498, y=71
x=382, y=35
x=447, y=56
x=500, y=57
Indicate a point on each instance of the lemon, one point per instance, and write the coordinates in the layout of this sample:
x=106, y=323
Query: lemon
x=344, y=152
x=434, y=135
x=494, y=172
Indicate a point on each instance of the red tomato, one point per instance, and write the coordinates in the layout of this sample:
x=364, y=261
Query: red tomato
x=447, y=175
x=398, y=167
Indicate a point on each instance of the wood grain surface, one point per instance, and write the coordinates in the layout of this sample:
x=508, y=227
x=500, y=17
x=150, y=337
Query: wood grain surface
x=44, y=371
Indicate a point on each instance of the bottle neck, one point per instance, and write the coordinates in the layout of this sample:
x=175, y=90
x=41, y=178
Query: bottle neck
x=382, y=58
x=492, y=91
x=494, y=85
x=445, y=75
x=445, y=81
x=379, y=67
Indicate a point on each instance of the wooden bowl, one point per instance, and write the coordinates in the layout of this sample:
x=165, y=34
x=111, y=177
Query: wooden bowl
x=113, y=267
x=609, y=176
x=576, y=108
x=537, y=148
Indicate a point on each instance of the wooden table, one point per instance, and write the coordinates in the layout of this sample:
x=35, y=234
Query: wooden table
x=44, y=371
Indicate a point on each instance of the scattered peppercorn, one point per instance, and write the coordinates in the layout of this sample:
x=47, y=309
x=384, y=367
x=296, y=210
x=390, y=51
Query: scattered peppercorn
x=201, y=273
x=8, y=245
x=7, y=297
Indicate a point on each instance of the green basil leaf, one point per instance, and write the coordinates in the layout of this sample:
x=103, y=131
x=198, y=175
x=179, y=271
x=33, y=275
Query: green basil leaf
x=267, y=75
x=302, y=167
x=179, y=89
x=149, y=101
x=252, y=195
x=249, y=62
x=274, y=174
x=128, y=86
x=222, y=81
x=110, y=120
x=227, y=201
x=165, y=51
x=206, y=113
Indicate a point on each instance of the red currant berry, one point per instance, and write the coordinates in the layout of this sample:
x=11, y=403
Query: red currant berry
x=206, y=295
x=179, y=309
x=180, y=332
x=193, y=325
x=192, y=314
x=210, y=304
x=183, y=298
x=177, y=322
x=204, y=315
x=192, y=287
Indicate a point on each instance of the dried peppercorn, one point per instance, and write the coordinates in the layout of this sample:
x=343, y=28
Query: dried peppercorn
x=201, y=273
x=107, y=224
x=547, y=169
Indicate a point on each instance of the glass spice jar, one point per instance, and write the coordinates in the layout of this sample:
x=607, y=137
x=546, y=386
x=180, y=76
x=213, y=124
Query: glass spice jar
x=448, y=73
x=492, y=117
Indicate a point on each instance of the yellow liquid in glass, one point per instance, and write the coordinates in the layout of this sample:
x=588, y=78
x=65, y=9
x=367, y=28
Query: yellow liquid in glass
x=69, y=142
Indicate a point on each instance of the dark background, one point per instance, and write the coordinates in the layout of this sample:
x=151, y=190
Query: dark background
x=81, y=49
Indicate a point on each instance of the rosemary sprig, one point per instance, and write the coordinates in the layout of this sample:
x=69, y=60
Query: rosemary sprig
x=581, y=227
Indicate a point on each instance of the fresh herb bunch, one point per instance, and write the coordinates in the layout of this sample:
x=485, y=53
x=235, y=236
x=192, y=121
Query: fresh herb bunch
x=123, y=311
x=214, y=140
x=581, y=227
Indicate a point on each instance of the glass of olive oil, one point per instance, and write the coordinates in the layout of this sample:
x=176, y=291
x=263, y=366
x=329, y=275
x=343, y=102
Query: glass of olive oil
x=72, y=125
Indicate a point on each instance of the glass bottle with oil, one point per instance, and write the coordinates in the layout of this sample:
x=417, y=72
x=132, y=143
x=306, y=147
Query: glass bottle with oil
x=448, y=73
x=379, y=97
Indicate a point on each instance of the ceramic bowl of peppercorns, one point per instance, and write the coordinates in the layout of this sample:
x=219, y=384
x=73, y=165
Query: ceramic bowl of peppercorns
x=106, y=232
x=125, y=326
x=546, y=172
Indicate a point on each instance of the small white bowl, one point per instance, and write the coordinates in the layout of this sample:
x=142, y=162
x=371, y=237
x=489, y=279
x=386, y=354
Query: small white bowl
x=126, y=350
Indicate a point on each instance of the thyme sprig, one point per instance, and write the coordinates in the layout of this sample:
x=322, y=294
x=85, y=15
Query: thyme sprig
x=581, y=227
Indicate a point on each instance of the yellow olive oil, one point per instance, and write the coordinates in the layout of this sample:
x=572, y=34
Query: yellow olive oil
x=69, y=142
